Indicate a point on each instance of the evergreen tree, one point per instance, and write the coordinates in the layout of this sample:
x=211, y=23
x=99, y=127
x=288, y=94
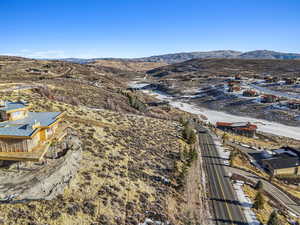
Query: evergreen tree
x=259, y=201
x=224, y=137
x=273, y=219
x=189, y=134
x=259, y=185
x=192, y=137
x=232, y=156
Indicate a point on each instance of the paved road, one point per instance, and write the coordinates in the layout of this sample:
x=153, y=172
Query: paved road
x=223, y=199
x=271, y=92
x=271, y=189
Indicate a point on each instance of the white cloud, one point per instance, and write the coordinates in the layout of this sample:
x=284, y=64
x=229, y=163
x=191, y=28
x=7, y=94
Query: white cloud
x=51, y=54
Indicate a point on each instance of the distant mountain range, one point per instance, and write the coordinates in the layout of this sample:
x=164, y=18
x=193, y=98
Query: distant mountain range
x=184, y=56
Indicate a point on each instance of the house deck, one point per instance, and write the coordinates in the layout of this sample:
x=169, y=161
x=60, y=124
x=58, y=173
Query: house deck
x=37, y=153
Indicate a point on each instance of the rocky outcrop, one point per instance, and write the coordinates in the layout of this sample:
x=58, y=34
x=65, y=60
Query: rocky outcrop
x=36, y=181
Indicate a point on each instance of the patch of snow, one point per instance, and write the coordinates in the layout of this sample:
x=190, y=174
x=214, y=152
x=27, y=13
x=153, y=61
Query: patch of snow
x=277, y=93
x=280, y=151
x=214, y=116
x=138, y=85
x=278, y=106
x=246, y=204
x=222, y=153
x=149, y=221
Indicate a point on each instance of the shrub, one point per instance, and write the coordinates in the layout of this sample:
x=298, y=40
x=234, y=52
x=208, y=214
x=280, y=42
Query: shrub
x=136, y=103
x=259, y=201
x=273, y=219
x=259, y=185
x=232, y=156
x=189, y=134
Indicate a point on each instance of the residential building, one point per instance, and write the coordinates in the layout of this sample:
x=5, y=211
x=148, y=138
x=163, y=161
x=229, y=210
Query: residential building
x=293, y=104
x=250, y=93
x=234, y=88
x=269, y=98
x=290, y=81
x=240, y=128
x=284, y=161
x=26, y=135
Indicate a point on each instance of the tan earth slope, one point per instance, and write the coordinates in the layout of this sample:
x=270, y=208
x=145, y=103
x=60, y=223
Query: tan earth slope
x=129, y=65
x=132, y=169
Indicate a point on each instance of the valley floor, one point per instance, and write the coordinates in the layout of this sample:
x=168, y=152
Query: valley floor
x=214, y=116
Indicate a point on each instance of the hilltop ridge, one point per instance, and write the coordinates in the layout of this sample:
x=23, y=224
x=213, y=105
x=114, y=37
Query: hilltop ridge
x=184, y=56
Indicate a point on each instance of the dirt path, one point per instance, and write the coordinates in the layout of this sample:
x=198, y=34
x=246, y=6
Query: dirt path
x=195, y=192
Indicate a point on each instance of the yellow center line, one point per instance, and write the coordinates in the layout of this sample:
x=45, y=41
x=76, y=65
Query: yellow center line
x=223, y=193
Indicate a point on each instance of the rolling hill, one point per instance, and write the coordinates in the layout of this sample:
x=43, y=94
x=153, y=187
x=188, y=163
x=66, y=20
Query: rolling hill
x=184, y=56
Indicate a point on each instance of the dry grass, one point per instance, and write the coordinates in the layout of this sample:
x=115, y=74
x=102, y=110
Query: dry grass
x=262, y=214
x=241, y=162
x=125, y=159
x=129, y=65
x=249, y=141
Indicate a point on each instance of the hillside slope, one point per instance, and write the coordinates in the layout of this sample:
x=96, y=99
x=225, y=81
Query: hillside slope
x=229, y=67
x=132, y=170
x=265, y=54
x=184, y=56
x=205, y=82
x=136, y=66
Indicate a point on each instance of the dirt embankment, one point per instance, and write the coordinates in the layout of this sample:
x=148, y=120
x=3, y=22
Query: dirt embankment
x=36, y=181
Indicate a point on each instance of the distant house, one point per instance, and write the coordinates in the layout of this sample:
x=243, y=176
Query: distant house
x=293, y=104
x=242, y=128
x=290, y=81
x=250, y=93
x=238, y=77
x=285, y=161
x=269, y=98
x=271, y=79
x=234, y=88
x=25, y=135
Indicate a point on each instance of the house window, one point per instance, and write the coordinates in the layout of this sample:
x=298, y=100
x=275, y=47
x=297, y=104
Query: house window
x=17, y=114
x=49, y=132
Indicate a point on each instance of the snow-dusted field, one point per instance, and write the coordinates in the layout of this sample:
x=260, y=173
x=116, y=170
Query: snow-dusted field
x=214, y=116
x=277, y=93
x=263, y=125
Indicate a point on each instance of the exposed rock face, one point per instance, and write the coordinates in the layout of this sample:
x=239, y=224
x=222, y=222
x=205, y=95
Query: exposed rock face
x=35, y=181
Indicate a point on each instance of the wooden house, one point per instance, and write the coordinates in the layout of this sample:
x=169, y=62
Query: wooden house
x=294, y=104
x=238, y=77
x=290, y=81
x=24, y=135
x=242, y=128
x=271, y=79
x=234, y=88
x=269, y=98
x=250, y=93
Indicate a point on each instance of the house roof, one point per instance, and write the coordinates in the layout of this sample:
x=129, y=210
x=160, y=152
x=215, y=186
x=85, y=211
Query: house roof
x=223, y=124
x=24, y=127
x=238, y=125
x=269, y=96
x=8, y=106
x=282, y=162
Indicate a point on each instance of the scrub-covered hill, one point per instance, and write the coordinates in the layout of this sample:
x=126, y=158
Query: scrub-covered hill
x=135, y=166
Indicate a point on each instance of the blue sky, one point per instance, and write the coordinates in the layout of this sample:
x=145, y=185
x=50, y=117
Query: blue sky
x=135, y=28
